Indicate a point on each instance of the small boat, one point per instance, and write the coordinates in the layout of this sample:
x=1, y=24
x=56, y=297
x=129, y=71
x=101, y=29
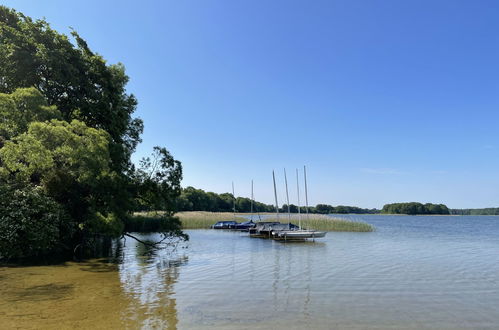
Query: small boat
x=263, y=228
x=300, y=234
x=244, y=226
x=225, y=225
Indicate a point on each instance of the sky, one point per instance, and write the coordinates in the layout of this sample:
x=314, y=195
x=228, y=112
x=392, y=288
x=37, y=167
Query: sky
x=383, y=101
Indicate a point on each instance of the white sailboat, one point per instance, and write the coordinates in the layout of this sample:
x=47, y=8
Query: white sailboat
x=300, y=233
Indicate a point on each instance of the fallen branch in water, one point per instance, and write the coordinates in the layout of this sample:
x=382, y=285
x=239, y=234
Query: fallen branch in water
x=173, y=241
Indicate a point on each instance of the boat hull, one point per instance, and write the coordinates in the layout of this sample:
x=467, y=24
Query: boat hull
x=298, y=234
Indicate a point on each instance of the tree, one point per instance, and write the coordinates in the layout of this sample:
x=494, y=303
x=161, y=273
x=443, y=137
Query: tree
x=66, y=137
x=414, y=208
x=23, y=106
x=158, y=181
x=243, y=204
x=71, y=162
x=71, y=77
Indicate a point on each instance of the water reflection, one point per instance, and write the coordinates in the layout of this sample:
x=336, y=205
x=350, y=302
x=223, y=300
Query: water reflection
x=131, y=288
x=412, y=273
x=148, y=277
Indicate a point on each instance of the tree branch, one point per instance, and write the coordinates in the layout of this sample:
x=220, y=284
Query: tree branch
x=151, y=244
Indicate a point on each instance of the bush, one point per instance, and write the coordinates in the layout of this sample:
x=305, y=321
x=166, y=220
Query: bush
x=30, y=222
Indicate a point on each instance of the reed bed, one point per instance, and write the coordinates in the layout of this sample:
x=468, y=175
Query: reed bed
x=325, y=223
x=202, y=219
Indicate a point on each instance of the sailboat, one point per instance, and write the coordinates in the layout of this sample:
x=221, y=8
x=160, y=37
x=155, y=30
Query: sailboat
x=245, y=226
x=232, y=223
x=300, y=233
x=264, y=229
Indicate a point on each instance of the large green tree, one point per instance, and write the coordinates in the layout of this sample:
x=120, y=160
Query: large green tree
x=67, y=133
x=70, y=76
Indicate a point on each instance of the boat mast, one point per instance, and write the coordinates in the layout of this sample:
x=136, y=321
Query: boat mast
x=252, y=200
x=233, y=200
x=287, y=198
x=306, y=190
x=298, y=190
x=275, y=194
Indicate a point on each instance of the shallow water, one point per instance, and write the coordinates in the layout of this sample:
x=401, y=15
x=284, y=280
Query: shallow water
x=412, y=273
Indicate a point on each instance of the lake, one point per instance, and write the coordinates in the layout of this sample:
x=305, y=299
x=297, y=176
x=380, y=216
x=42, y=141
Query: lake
x=413, y=272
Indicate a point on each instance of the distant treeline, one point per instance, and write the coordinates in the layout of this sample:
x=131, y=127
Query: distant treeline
x=413, y=208
x=327, y=209
x=485, y=211
x=192, y=199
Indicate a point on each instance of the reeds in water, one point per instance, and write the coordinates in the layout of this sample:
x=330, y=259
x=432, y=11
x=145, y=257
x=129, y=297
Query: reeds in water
x=202, y=219
x=326, y=223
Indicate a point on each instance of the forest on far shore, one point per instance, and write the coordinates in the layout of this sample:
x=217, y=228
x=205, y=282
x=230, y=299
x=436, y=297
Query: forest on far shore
x=193, y=199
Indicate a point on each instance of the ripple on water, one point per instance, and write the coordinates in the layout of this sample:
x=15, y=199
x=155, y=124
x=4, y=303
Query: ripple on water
x=412, y=273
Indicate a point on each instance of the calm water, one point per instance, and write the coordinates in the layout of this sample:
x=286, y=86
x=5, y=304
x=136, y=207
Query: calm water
x=412, y=273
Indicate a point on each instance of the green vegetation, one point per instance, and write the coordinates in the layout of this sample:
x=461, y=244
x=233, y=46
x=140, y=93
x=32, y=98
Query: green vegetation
x=202, y=219
x=192, y=199
x=326, y=223
x=195, y=219
x=341, y=209
x=485, y=211
x=414, y=208
x=66, y=137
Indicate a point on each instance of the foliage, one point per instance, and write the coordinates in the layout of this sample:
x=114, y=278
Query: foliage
x=415, y=208
x=202, y=219
x=31, y=223
x=67, y=132
x=341, y=209
x=50, y=149
x=326, y=223
x=71, y=77
x=71, y=162
x=23, y=106
x=157, y=182
x=192, y=199
x=484, y=211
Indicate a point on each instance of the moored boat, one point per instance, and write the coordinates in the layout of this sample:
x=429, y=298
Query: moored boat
x=297, y=233
x=244, y=226
x=224, y=225
x=300, y=234
x=263, y=228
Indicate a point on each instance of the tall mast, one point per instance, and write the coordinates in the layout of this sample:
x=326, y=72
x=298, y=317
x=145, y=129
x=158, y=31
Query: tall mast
x=233, y=200
x=287, y=197
x=251, y=200
x=275, y=194
x=298, y=190
x=306, y=190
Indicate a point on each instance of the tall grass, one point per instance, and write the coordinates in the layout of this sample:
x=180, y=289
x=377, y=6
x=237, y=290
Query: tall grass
x=202, y=219
x=150, y=221
x=325, y=223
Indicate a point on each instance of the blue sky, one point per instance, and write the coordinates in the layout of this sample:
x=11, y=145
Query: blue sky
x=384, y=101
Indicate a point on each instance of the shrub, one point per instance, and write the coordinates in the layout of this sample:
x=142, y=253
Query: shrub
x=30, y=222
